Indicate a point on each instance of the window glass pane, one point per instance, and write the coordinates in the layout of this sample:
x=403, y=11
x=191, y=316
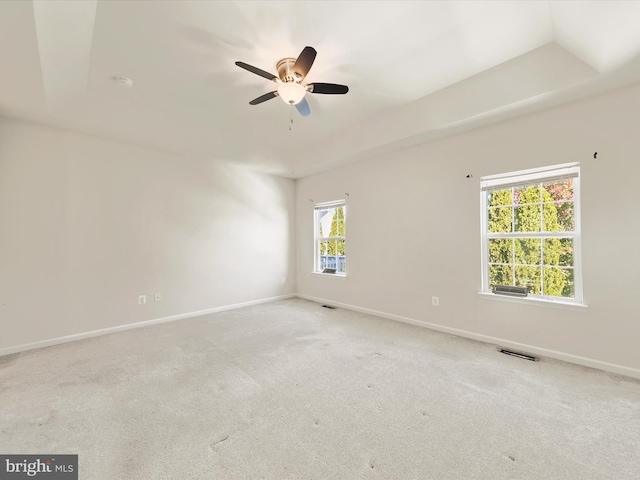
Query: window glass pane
x=528, y=251
x=497, y=198
x=558, y=217
x=566, y=255
x=326, y=219
x=331, y=261
x=337, y=226
x=527, y=194
x=550, y=218
x=558, y=282
x=517, y=195
x=552, y=251
x=341, y=256
x=558, y=191
x=530, y=277
x=527, y=218
x=561, y=218
x=500, y=250
x=322, y=255
x=322, y=248
x=569, y=290
x=558, y=252
x=332, y=247
x=500, y=275
x=500, y=220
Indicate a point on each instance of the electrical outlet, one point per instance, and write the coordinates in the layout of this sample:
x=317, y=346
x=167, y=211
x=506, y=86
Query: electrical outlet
x=284, y=279
x=158, y=296
x=142, y=299
x=435, y=301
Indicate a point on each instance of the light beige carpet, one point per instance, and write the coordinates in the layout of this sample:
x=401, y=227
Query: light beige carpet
x=293, y=390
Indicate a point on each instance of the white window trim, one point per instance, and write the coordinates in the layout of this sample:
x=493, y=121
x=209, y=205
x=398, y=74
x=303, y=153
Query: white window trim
x=544, y=174
x=316, y=236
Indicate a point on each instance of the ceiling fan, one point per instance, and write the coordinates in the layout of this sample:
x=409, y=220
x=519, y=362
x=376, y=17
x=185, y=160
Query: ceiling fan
x=291, y=73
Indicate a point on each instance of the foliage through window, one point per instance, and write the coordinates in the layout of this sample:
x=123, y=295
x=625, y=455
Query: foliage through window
x=531, y=232
x=330, y=240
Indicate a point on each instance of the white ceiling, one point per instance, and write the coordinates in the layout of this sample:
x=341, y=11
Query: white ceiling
x=416, y=70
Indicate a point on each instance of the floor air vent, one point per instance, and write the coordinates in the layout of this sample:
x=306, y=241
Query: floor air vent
x=510, y=290
x=519, y=355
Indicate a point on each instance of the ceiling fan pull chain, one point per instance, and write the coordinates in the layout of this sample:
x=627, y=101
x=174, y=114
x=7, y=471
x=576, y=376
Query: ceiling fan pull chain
x=290, y=122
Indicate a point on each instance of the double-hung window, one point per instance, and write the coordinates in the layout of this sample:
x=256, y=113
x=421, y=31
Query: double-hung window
x=531, y=232
x=329, y=239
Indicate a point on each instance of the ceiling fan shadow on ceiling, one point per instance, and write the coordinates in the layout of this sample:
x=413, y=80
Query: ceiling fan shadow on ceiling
x=291, y=73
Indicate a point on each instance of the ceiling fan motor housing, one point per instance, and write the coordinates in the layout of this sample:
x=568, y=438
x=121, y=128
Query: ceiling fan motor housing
x=285, y=71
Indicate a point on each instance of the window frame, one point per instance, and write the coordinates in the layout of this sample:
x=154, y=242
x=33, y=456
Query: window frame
x=317, y=238
x=536, y=176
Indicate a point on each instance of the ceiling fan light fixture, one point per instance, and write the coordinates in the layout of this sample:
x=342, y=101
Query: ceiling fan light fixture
x=291, y=93
x=291, y=72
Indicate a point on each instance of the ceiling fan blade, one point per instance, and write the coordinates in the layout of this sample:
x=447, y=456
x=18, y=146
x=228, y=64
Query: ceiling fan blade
x=303, y=108
x=257, y=71
x=328, y=88
x=263, y=98
x=304, y=61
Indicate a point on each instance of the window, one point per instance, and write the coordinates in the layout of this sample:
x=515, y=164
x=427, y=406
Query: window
x=330, y=242
x=531, y=232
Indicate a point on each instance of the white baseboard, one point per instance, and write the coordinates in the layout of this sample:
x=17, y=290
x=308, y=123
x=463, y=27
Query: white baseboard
x=567, y=357
x=530, y=349
x=130, y=326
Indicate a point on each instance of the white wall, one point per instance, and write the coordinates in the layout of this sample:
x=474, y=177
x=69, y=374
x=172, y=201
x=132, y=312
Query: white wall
x=413, y=231
x=87, y=225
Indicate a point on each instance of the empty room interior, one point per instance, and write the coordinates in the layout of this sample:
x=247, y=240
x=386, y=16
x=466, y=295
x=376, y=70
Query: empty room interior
x=320, y=240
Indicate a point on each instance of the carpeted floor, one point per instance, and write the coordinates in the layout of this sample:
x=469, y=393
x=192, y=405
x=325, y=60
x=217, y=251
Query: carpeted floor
x=293, y=390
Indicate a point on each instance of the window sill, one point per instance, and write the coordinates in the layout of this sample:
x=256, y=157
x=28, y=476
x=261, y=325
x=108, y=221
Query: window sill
x=534, y=301
x=339, y=275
